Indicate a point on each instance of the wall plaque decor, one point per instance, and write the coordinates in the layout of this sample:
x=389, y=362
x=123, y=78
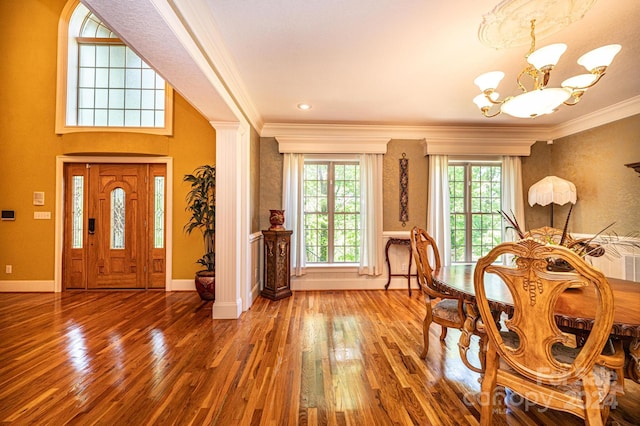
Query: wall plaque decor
x=404, y=189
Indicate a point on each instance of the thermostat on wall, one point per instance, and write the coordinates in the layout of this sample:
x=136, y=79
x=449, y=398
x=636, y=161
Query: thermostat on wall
x=38, y=198
x=8, y=215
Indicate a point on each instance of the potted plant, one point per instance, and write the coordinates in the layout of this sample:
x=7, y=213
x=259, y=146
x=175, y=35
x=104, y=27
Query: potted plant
x=201, y=204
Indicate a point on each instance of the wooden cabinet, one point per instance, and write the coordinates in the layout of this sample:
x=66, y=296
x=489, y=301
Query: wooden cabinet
x=277, y=265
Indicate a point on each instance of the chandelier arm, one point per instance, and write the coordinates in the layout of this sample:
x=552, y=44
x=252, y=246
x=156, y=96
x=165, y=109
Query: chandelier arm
x=532, y=73
x=485, y=112
x=598, y=77
x=487, y=95
x=576, y=99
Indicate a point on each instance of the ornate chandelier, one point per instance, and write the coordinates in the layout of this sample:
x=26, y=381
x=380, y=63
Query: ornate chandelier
x=541, y=99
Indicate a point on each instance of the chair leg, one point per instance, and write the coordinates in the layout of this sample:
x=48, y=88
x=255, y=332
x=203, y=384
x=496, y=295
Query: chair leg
x=488, y=387
x=443, y=334
x=428, y=318
x=592, y=411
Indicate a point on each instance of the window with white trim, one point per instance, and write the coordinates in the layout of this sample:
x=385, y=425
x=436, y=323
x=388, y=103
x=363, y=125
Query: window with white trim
x=107, y=85
x=332, y=211
x=475, y=191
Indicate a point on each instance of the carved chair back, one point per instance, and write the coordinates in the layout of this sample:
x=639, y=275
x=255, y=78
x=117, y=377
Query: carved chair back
x=421, y=245
x=535, y=291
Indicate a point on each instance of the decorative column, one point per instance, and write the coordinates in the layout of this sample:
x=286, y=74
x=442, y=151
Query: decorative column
x=232, y=218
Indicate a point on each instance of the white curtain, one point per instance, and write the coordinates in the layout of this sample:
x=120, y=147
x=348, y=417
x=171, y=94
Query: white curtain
x=292, y=185
x=370, y=214
x=512, y=195
x=438, y=217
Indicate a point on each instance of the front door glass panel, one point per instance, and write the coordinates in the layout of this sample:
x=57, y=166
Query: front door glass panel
x=117, y=219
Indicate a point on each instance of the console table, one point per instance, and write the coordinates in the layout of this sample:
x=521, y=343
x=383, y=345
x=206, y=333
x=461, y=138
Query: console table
x=401, y=242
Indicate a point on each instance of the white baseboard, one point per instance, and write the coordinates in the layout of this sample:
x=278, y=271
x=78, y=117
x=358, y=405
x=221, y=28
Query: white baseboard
x=27, y=286
x=183, y=285
x=302, y=284
x=227, y=310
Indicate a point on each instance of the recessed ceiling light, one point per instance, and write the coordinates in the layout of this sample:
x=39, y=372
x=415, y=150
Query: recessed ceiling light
x=304, y=107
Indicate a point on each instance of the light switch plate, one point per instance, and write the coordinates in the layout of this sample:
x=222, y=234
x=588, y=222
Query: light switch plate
x=42, y=215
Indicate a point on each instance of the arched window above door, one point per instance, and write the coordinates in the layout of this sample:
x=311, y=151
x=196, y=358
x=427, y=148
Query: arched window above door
x=103, y=84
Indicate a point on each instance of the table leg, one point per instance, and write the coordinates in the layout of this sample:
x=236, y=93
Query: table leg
x=468, y=329
x=633, y=367
x=386, y=258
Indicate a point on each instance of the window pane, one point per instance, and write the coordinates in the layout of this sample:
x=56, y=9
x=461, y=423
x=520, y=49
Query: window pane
x=86, y=98
x=474, y=232
x=117, y=218
x=77, y=211
x=133, y=60
x=113, y=67
x=87, y=77
x=132, y=99
x=87, y=55
x=102, y=56
x=147, y=118
x=102, y=77
x=101, y=118
x=116, y=79
x=85, y=117
x=102, y=98
x=116, y=99
x=158, y=227
x=116, y=117
x=133, y=79
x=332, y=235
x=116, y=56
x=131, y=118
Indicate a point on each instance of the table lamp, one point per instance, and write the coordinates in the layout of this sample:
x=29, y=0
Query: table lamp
x=552, y=190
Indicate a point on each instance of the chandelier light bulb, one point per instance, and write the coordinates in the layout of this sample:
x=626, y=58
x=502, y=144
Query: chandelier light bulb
x=600, y=57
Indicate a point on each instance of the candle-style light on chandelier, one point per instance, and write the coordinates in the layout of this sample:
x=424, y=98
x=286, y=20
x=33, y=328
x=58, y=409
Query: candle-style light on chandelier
x=542, y=99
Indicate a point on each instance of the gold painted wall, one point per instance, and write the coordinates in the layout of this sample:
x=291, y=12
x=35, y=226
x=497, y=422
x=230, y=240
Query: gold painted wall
x=29, y=146
x=594, y=160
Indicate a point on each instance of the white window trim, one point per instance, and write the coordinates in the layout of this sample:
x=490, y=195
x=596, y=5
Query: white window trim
x=61, y=126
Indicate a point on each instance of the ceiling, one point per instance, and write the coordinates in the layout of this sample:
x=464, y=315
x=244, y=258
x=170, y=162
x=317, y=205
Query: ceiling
x=363, y=62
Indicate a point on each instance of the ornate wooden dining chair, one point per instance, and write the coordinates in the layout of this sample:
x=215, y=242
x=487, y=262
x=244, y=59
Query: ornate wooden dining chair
x=448, y=310
x=533, y=357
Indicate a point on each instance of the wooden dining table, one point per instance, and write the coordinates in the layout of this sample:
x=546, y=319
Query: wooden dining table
x=575, y=308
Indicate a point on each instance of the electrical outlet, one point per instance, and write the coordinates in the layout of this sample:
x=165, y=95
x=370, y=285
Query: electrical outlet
x=8, y=269
x=404, y=267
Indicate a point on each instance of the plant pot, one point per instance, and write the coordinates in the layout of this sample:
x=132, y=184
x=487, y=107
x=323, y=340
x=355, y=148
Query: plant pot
x=206, y=285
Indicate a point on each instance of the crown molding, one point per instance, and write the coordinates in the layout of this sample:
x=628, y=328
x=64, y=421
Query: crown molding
x=615, y=112
x=400, y=132
x=323, y=144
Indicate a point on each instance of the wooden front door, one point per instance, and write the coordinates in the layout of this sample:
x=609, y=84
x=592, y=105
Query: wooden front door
x=114, y=226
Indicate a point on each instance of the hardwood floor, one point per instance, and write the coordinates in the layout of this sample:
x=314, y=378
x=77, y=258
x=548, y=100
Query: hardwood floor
x=337, y=358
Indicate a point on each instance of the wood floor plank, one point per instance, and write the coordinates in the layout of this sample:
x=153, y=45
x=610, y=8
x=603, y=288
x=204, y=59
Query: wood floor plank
x=316, y=358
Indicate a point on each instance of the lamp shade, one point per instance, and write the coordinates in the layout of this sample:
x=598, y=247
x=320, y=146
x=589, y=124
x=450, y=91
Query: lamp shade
x=552, y=189
x=547, y=56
